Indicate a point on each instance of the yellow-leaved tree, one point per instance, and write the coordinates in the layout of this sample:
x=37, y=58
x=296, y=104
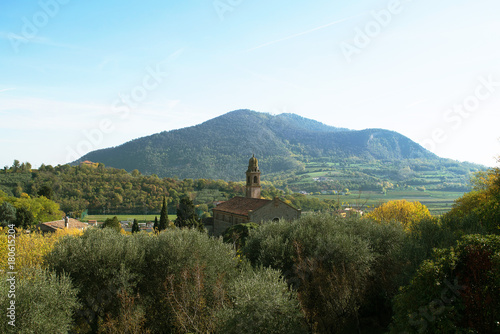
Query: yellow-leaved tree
x=481, y=205
x=403, y=211
x=29, y=248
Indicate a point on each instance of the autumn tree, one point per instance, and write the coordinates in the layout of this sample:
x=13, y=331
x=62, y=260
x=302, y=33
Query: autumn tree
x=402, y=211
x=480, y=206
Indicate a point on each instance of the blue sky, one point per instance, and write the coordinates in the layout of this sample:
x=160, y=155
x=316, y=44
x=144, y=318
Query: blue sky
x=77, y=76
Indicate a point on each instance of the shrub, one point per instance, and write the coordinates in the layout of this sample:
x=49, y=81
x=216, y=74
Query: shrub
x=102, y=264
x=238, y=234
x=44, y=303
x=336, y=265
x=261, y=303
x=177, y=281
x=458, y=291
x=187, y=273
x=420, y=241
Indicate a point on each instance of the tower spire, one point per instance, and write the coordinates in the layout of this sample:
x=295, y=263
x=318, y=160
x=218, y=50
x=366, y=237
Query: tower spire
x=253, y=178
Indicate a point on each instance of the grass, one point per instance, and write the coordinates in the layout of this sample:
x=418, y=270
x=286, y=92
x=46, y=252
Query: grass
x=127, y=217
x=438, y=202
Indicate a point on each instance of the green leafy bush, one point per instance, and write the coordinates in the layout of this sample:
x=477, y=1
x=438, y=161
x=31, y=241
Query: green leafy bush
x=44, y=303
x=187, y=275
x=458, y=291
x=261, y=303
x=238, y=234
x=177, y=281
x=102, y=264
x=336, y=265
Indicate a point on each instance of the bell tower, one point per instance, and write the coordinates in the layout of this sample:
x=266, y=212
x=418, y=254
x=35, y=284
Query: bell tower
x=253, y=178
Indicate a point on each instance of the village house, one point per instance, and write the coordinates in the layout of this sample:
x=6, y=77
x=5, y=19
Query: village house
x=62, y=224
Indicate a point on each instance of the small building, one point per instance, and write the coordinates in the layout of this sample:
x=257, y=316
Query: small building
x=62, y=224
x=350, y=212
x=89, y=164
x=251, y=208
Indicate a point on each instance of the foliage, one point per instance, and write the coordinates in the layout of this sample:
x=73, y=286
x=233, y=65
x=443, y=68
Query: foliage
x=24, y=218
x=163, y=216
x=186, y=215
x=178, y=281
x=135, y=226
x=31, y=210
x=7, y=214
x=156, y=225
x=31, y=248
x=46, y=191
x=44, y=302
x=112, y=223
x=402, y=211
x=130, y=318
x=261, y=303
x=237, y=234
x=188, y=273
x=458, y=291
x=103, y=264
x=336, y=265
x=110, y=190
x=420, y=241
x=482, y=204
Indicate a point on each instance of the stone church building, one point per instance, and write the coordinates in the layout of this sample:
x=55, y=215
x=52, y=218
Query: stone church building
x=251, y=208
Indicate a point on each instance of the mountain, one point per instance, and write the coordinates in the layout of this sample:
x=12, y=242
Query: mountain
x=217, y=149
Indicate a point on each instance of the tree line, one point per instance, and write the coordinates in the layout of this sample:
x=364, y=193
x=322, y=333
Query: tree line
x=104, y=190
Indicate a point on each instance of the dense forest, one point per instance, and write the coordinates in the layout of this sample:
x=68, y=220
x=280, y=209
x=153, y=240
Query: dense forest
x=398, y=270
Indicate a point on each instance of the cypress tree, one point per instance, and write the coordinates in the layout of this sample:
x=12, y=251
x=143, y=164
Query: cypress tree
x=163, y=216
x=135, y=226
x=186, y=215
x=156, y=225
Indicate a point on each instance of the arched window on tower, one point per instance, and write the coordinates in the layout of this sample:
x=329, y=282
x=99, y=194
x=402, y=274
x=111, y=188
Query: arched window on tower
x=255, y=179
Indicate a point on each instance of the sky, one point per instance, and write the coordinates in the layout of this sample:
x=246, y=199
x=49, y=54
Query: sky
x=76, y=76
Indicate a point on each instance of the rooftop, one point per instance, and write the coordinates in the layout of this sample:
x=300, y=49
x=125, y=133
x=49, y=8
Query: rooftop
x=59, y=224
x=241, y=205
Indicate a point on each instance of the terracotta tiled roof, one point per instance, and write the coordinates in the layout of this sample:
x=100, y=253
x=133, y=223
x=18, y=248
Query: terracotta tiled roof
x=59, y=224
x=241, y=205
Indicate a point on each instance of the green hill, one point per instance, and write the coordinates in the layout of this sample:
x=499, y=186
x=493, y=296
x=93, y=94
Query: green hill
x=217, y=149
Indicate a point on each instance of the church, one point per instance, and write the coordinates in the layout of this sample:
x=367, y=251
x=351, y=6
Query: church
x=251, y=208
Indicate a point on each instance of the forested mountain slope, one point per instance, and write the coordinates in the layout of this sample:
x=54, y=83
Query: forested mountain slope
x=217, y=149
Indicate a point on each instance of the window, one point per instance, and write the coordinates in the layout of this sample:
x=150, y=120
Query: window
x=255, y=179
